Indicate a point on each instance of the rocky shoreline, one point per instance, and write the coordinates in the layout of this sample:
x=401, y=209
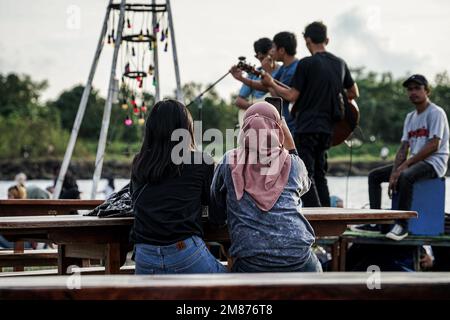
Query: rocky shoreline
x=84, y=169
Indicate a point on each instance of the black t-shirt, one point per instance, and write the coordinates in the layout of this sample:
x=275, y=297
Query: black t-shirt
x=319, y=78
x=171, y=210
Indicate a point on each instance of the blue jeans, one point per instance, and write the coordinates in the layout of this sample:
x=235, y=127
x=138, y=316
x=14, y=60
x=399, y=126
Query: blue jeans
x=312, y=264
x=187, y=256
x=5, y=244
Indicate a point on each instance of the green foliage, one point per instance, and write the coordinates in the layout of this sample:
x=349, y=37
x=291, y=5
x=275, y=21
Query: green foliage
x=34, y=137
x=19, y=95
x=383, y=103
x=215, y=112
x=42, y=129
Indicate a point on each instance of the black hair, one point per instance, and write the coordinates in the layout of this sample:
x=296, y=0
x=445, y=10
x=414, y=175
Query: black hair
x=153, y=163
x=316, y=31
x=286, y=40
x=262, y=45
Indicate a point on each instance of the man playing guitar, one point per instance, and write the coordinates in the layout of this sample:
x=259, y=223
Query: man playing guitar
x=316, y=86
x=283, y=50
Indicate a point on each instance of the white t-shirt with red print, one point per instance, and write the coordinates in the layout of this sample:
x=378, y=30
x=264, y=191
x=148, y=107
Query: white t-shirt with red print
x=421, y=127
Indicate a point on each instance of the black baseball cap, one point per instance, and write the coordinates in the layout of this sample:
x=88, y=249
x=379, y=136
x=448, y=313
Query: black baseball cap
x=417, y=78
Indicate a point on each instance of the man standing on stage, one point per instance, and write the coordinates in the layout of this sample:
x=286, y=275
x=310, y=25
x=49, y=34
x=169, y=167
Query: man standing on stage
x=316, y=85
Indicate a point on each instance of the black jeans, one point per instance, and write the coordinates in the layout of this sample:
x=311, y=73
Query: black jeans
x=417, y=172
x=312, y=149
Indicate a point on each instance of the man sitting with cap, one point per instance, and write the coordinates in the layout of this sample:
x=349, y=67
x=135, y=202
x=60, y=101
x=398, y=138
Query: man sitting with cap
x=423, y=153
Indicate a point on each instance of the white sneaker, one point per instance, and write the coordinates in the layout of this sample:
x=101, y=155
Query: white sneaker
x=397, y=233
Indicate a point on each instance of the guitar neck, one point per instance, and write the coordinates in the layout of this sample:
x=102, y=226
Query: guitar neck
x=281, y=84
x=250, y=69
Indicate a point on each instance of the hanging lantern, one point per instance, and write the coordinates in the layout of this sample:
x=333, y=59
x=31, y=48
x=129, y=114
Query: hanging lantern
x=141, y=120
x=167, y=32
x=148, y=32
x=133, y=53
x=109, y=39
x=156, y=28
x=143, y=107
x=165, y=47
x=150, y=70
x=154, y=81
x=163, y=36
x=112, y=33
x=128, y=122
x=128, y=23
x=136, y=110
x=140, y=84
x=124, y=104
x=150, y=45
x=127, y=67
x=133, y=100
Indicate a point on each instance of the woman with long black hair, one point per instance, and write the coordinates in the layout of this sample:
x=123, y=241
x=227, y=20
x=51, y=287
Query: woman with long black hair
x=169, y=186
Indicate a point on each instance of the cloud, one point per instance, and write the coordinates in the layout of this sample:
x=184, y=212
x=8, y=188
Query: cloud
x=363, y=40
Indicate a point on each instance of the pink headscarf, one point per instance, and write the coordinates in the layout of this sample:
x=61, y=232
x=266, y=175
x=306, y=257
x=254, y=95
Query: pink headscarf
x=260, y=165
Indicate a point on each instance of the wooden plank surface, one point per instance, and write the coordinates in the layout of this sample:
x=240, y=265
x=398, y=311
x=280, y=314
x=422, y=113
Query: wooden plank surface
x=295, y=286
x=311, y=214
x=30, y=207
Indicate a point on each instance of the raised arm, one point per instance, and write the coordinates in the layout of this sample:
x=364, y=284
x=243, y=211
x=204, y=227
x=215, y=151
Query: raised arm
x=289, y=94
x=254, y=84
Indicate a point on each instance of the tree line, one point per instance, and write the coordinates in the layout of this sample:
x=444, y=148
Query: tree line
x=33, y=128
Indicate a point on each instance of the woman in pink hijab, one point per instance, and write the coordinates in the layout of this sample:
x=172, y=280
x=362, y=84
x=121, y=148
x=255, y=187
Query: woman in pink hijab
x=256, y=190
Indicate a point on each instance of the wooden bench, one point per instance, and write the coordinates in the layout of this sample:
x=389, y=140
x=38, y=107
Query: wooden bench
x=45, y=257
x=31, y=207
x=252, y=286
x=130, y=269
x=380, y=239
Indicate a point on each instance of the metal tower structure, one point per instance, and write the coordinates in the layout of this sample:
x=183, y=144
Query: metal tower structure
x=133, y=75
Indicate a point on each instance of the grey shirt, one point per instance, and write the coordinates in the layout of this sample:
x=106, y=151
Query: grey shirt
x=280, y=237
x=421, y=127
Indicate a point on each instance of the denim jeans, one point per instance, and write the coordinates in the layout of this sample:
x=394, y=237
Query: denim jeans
x=187, y=256
x=312, y=149
x=5, y=244
x=312, y=264
x=418, y=171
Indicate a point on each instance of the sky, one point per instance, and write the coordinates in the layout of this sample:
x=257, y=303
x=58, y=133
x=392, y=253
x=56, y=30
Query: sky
x=55, y=40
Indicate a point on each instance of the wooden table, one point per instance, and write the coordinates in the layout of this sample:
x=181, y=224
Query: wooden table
x=263, y=286
x=85, y=237
x=39, y=207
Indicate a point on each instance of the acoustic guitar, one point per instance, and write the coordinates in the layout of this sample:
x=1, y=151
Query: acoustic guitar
x=345, y=127
x=342, y=128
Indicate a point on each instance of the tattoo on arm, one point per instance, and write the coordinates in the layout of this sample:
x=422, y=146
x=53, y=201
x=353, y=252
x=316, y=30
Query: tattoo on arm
x=402, y=153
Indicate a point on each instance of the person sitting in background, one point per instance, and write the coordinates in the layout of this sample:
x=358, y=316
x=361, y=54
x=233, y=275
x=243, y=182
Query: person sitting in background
x=20, y=179
x=256, y=189
x=15, y=192
x=423, y=153
x=168, y=190
x=69, y=188
x=34, y=192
